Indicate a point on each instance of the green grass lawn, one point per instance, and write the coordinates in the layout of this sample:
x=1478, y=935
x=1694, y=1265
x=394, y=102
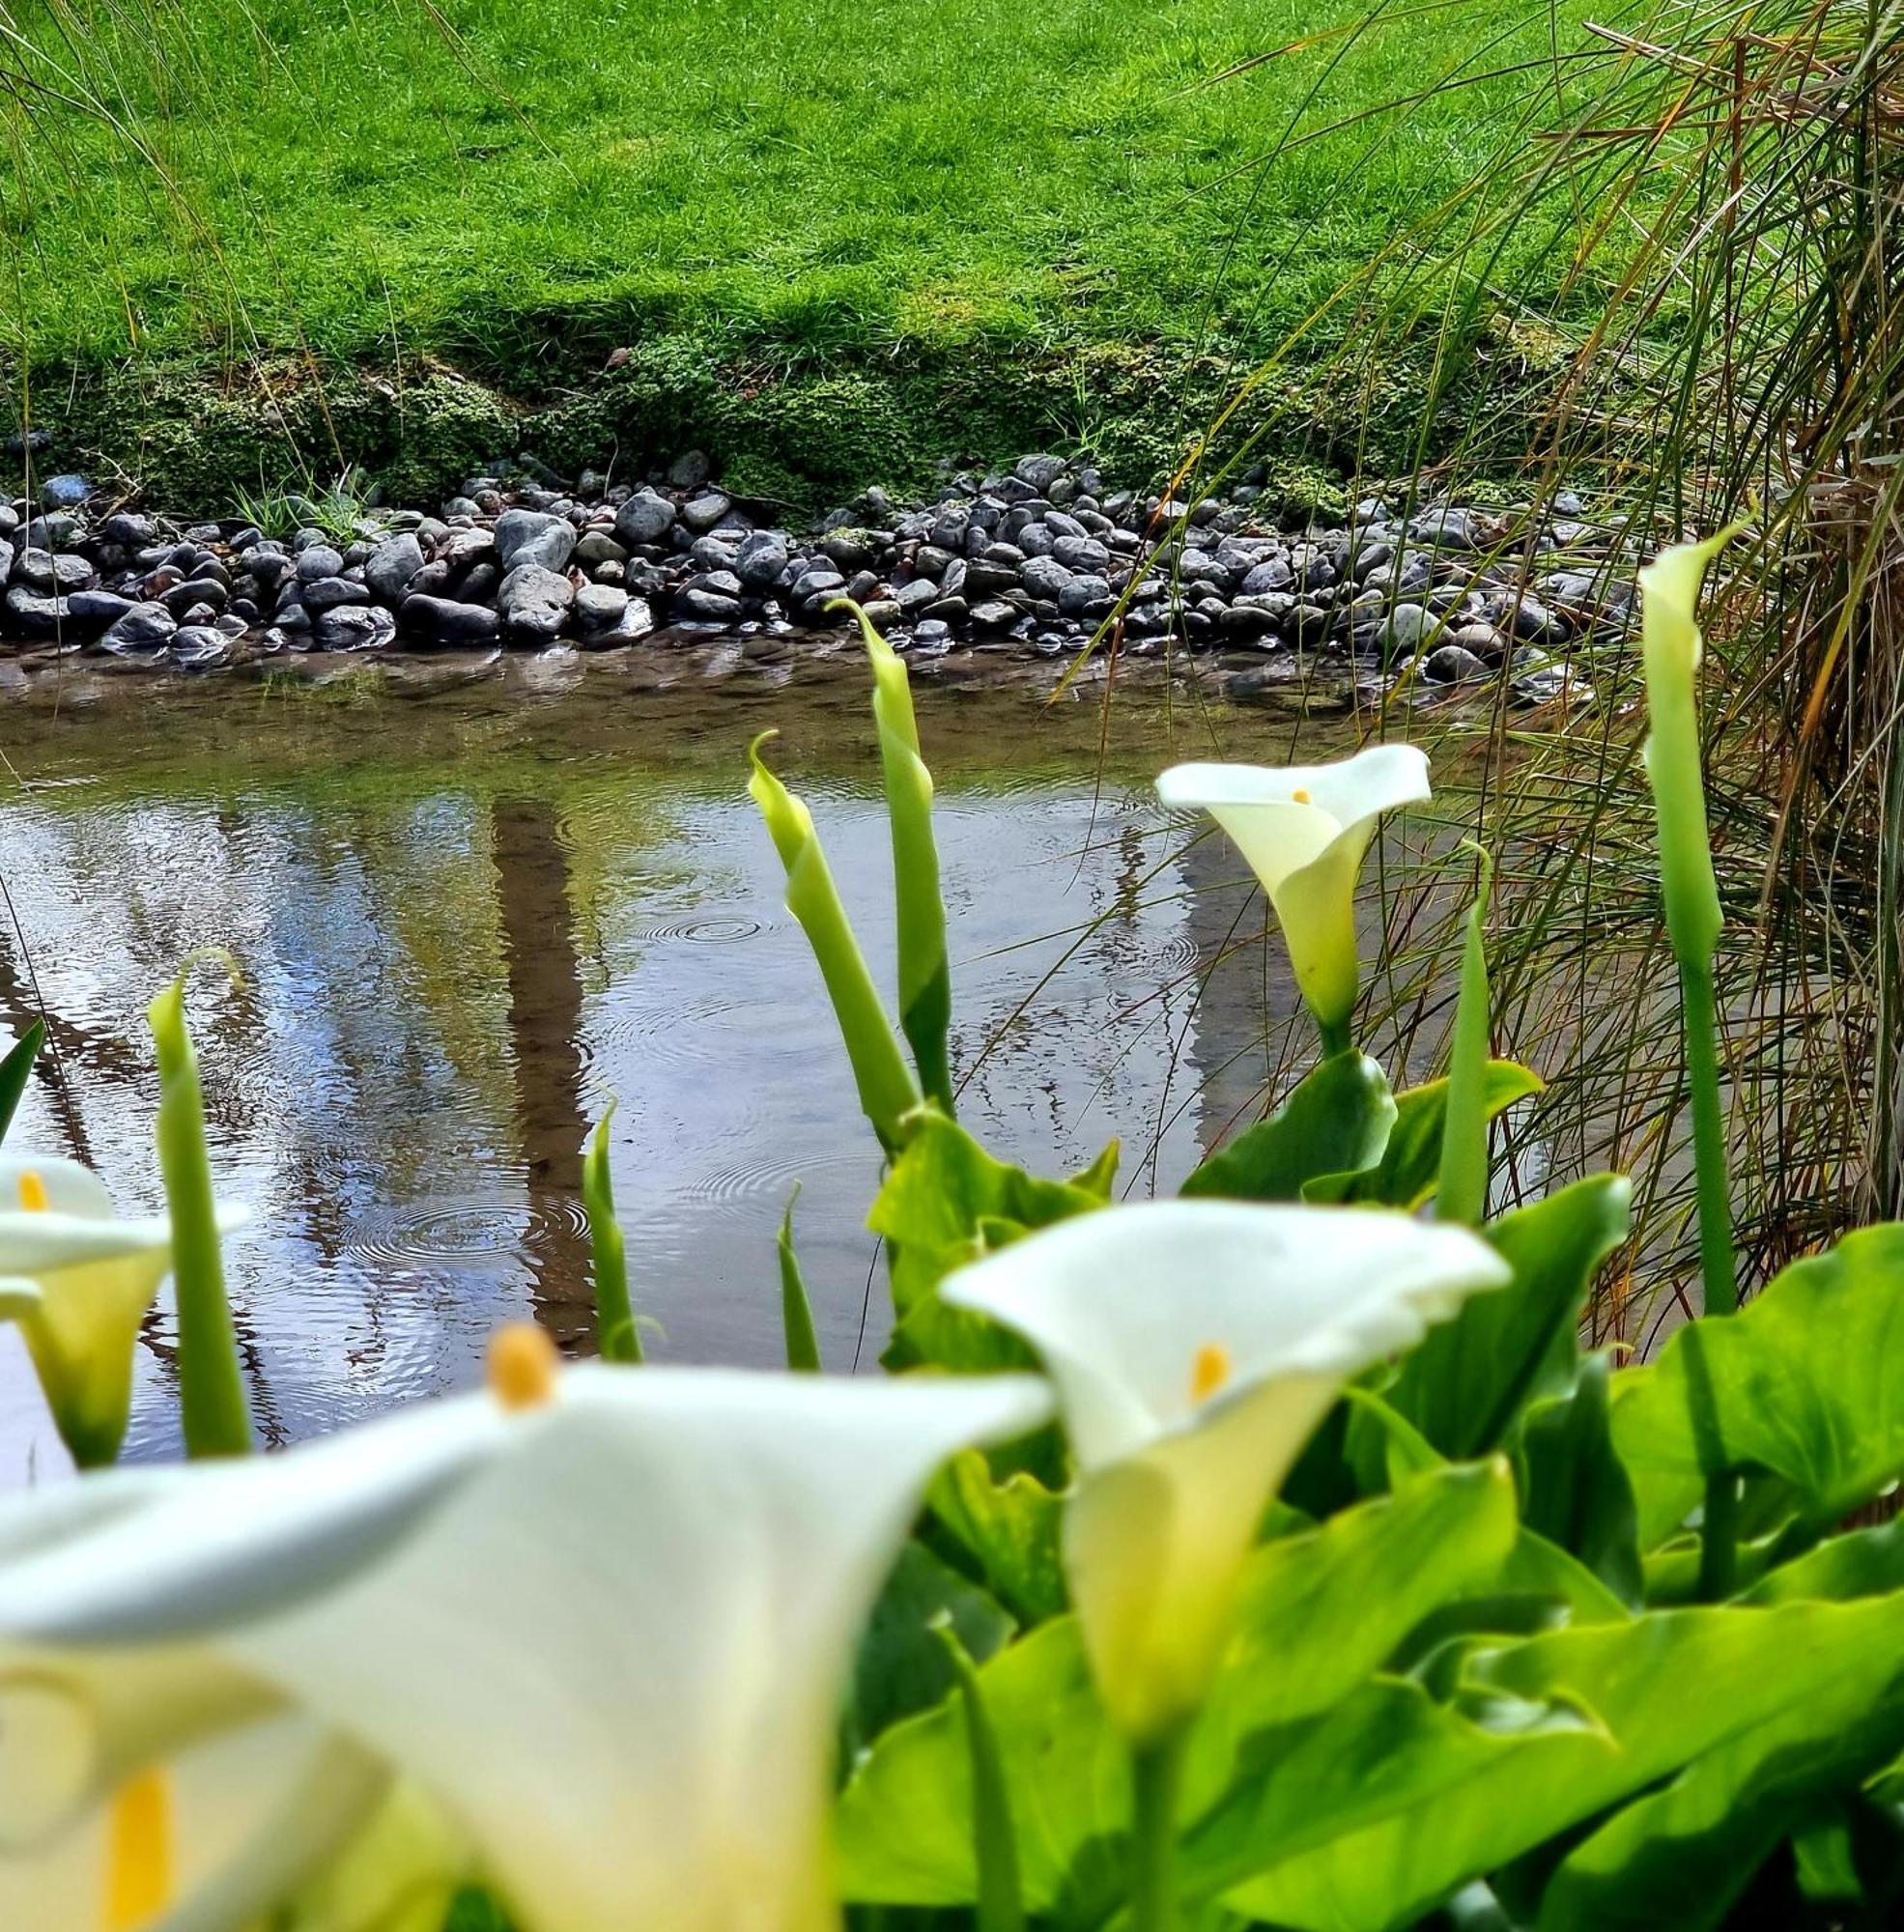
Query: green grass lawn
x=530, y=181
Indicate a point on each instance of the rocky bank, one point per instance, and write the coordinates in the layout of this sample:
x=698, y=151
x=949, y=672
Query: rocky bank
x=1034, y=558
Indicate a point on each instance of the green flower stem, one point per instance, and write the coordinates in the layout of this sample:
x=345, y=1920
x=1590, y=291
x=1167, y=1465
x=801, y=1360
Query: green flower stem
x=216, y=1419
x=888, y=1092
x=1672, y=647
x=1156, y=1783
x=994, y=1836
x=1462, y=1194
x=1335, y=1035
x=616, y=1335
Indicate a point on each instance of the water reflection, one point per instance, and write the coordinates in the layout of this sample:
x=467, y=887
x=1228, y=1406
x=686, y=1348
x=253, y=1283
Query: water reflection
x=465, y=923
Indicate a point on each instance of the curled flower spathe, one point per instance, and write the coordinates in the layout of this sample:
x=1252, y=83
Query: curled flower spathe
x=93, y=1274
x=601, y=1624
x=1195, y=1346
x=1305, y=831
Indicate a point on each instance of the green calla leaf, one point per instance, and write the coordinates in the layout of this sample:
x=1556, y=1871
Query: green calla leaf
x=1664, y=1690
x=901, y=1664
x=1806, y=1384
x=1682, y=1857
x=946, y=1202
x=14, y=1070
x=1320, y=1610
x=1410, y=1163
x=1466, y=1384
x=1335, y=1121
x=1573, y=1488
x=1005, y=1531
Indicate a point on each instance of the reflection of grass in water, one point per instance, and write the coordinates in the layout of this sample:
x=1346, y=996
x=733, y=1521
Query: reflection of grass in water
x=357, y=178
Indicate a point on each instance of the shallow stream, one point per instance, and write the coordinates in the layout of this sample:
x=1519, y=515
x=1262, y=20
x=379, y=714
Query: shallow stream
x=470, y=913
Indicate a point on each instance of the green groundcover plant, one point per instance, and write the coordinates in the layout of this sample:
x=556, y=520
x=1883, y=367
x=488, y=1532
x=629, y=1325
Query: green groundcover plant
x=1270, y=1556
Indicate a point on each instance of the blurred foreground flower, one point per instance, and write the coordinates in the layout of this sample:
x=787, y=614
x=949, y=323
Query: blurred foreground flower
x=92, y=1276
x=1196, y=1344
x=1305, y=831
x=603, y=1622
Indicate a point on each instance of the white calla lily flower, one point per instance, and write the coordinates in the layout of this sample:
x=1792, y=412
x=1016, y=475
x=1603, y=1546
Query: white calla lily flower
x=606, y=1634
x=1305, y=831
x=94, y=1274
x=1196, y=1346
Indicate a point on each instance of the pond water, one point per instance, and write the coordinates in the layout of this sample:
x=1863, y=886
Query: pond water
x=472, y=913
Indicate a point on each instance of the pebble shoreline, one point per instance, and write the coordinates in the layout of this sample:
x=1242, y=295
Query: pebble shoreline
x=1030, y=560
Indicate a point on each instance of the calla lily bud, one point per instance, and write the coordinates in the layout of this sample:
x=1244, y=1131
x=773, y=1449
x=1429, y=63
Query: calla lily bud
x=1305, y=831
x=1196, y=1346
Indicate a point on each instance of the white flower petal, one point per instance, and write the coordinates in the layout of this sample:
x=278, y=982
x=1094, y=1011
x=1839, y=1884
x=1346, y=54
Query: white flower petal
x=1121, y=1303
x=70, y=1187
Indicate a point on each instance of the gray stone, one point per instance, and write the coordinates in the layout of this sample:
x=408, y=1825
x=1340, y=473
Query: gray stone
x=914, y=596
x=1040, y=471
x=268, y=568
x=144, y=628
x=390, y=566
x=818, y=583
x=703, y=512
x=761, y=559
x=1483, y=640
x=35, y=612
x=690, y=469
x=1085, y=596
x=990, y=580
x=708, y=607
x=200, y=647
x=1451, y=530
x=597, y=547
x=65, y=492
x=995, y=615
x=45, y=570
x=95, y=610
x=599, y=606
x=128, y=529
x=1046, y=577
x=444, y=621
x=533, y=537
x=328, y=593
x=355, y=626
x=1271, y=574
x=1450, y=664
x=534, y=601
x=319, y=559
x=644, y=519
x=1083, y=553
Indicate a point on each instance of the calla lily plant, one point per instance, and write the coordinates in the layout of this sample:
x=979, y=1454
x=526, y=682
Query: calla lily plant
x=78, y=1279
x=601, y=1618
x=1305, y=830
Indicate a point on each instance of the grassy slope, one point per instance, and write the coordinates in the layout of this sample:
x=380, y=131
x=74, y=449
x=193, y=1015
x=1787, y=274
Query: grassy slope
x=816, y=177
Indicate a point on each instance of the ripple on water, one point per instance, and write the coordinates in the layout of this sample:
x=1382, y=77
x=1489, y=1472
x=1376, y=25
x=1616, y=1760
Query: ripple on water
x=767, y=1176
x=460, y=1231
x=686, y=1032
x=714, y=929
